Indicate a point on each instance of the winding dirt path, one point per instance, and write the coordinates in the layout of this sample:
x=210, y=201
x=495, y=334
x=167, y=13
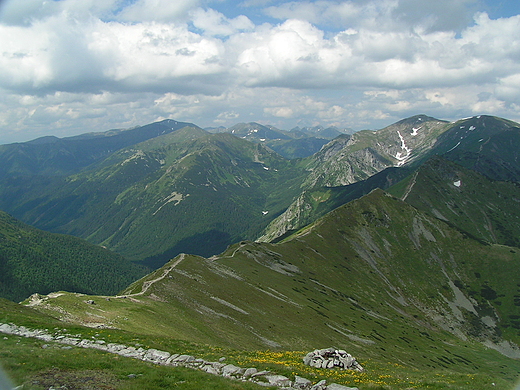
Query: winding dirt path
x=148, y=283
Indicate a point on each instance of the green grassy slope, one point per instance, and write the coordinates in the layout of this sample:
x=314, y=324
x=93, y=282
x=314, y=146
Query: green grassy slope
x=40, y=365
x=486, y=209
x=34, y=261
x=376, y=277
x=483, y=143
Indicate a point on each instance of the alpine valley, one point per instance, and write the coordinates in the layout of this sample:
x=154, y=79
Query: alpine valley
x=253, y=246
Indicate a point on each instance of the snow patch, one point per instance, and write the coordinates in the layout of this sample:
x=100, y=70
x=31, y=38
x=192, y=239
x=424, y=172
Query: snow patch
x=266, y=168
x=457, y=183
x=415, y=130
x=458, y=143
x=265, y=212
x=471, y=128
x=402, y=157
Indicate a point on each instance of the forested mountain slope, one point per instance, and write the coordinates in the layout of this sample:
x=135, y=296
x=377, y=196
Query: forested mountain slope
x=187, y=191
x=34, y=261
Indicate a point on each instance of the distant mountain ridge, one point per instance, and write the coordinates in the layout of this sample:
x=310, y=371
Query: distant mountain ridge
x=62, y=156
x=178, y=191
x=296, y=143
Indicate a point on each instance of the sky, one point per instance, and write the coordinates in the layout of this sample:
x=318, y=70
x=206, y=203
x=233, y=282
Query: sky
x=75, y=66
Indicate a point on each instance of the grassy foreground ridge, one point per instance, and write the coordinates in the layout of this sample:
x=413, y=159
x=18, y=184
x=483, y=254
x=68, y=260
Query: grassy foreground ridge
x=397, y=290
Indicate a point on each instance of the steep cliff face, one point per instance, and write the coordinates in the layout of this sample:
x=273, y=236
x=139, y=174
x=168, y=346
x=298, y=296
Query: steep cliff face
x=344, y=167
x=350, y=158
x=293, y=218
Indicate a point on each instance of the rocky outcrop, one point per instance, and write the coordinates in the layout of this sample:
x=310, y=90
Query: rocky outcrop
x=263, y=378
x=332, y=358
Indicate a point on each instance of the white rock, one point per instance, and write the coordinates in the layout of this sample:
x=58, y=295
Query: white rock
x=278, y=380
x=301, y=383
x=249, y=372
x=230, y=369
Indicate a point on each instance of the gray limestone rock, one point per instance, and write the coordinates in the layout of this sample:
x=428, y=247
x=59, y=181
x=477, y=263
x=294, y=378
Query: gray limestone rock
x=232, y=370
x=332, y=358
x=278, y=380
x=261, y=373
x=321, y=385
x=183, y=359
x=154, y=354
x=301, y=383
x=249, y=372
x=210, y=369
x=172, y=358
x=335, y=386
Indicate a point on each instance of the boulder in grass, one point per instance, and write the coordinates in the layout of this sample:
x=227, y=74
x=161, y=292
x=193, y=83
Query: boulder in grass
x=332, y=358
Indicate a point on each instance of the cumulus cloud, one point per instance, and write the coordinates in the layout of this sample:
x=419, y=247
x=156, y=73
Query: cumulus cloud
x=212, y=22
x=329, y=61
x=299, y=55
x=60, y=54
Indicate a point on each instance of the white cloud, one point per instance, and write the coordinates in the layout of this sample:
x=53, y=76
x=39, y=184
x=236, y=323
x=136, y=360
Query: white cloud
x=76, y=64
x=60, y=54
x=215, y=23
x=281, y=112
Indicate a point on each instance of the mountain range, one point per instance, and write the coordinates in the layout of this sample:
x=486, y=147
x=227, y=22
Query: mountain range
x=177, y=192
x=401, y=242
